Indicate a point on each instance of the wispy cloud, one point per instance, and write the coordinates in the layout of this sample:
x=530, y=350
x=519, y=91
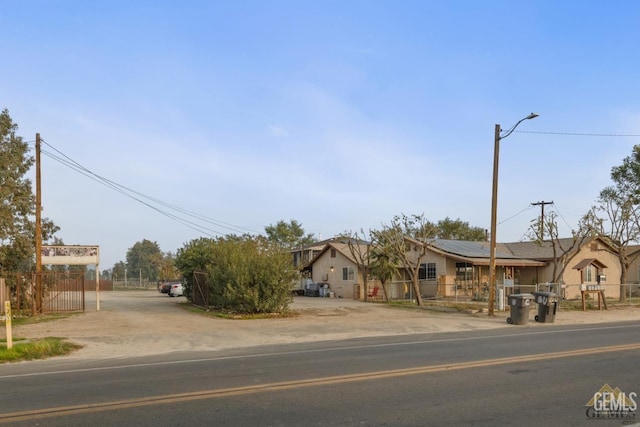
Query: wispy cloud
x=278, y=131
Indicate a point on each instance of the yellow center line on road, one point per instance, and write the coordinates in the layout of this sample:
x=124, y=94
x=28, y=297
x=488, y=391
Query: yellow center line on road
x=287, y=385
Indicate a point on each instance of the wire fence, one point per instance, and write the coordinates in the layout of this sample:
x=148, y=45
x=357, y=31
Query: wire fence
x=479, y=292
x=135, y=284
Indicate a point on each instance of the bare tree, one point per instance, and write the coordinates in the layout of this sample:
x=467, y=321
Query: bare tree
x=359, y=248
x=621, y=213
x=382, y=263
x=407, y=239
x=563, y=249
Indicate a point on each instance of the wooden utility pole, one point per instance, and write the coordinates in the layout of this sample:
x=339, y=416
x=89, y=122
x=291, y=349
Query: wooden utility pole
x=39, y=296
x=541, y=204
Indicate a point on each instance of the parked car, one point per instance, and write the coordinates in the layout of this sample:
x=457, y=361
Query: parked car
x=177, y=290
x=165, y=287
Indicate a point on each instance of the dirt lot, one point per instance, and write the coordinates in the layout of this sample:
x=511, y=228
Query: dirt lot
x=137, y=323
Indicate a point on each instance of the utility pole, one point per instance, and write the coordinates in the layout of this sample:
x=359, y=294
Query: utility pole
x=541, y=204
x=39, y=296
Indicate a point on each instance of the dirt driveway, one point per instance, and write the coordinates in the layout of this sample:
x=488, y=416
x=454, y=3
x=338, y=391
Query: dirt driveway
x=138, y=323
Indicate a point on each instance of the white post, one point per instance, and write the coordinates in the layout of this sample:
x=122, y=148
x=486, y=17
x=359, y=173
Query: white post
x=97, y=287
x=500, y=298
x=7, y=313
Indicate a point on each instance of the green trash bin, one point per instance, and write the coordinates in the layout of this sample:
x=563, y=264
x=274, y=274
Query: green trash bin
x=547, y=306
x=519, y=305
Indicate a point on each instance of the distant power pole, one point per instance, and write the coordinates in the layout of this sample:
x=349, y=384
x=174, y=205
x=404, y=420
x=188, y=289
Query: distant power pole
x=38, y=236
x=541, y=204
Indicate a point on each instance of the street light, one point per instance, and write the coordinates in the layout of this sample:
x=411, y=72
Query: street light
x=494, y=207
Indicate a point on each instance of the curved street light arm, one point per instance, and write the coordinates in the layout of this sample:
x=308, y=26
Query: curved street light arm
x=510, y=131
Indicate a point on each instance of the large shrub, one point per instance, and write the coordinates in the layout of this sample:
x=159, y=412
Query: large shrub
x=246, y=274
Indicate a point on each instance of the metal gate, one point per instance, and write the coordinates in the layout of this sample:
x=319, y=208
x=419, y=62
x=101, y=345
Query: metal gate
x=200, y=290
x=60, y=292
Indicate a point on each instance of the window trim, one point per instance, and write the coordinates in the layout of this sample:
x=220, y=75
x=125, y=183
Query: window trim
x=348, y=273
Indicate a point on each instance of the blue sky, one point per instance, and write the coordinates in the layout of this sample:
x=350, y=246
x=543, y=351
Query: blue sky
x=339, y=114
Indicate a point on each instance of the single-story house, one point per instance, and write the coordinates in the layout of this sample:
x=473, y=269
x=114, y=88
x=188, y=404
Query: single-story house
x=461, y=268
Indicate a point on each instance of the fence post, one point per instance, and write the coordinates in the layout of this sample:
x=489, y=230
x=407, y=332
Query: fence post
x=7, y=310
x=4, y=294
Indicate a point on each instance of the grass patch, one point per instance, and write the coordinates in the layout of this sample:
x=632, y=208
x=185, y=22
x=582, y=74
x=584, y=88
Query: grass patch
x=444, y=306
x=4, y=340
x=223, y=314
x=36, y=349
x=251, y=316
x=29, y=320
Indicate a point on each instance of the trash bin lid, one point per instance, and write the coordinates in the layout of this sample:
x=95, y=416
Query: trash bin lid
x=546, y=294
x=521, y=296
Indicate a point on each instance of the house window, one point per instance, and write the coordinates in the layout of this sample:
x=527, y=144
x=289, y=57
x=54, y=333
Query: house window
x=427, y=271
x=348, y=273
x=333, y=253
x=588, y=274
x=464, y=271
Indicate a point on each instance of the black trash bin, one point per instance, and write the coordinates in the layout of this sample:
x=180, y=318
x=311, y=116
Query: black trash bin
x=519, y=306
x=547, y=306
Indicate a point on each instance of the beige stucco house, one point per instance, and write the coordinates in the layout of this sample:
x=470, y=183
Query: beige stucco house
x=337, y=266
x=452, y=268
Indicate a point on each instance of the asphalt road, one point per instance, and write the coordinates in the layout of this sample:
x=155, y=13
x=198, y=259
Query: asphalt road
x=494, y=377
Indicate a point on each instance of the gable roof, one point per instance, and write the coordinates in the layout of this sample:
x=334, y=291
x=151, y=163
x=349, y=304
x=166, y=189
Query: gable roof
x=589, y=261
x=341, y=247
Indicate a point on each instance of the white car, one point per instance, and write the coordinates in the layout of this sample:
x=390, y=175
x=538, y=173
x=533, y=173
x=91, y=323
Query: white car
x=176, y=290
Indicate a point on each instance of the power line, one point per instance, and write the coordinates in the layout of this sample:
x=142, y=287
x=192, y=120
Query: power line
x=117, y=187
x=128, y=192
x=616, y=135
x=119, y=190
x=560, y=215
x=515, y=215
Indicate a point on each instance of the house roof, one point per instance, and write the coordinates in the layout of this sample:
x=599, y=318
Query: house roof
x=589, y=261
x=320, y=245
x=544, y=250
x=479, y=253
x=341, y=247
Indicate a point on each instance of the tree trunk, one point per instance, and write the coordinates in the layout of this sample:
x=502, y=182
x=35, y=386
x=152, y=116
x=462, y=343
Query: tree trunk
x=416, y=288
x=384, y=291
x=623, y=281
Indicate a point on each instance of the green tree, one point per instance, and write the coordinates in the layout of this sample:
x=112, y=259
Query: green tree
x=117, y=272
x=248, y=275
x=289, y=235
x=168, y=270
x=17, y=202
x=145, y=258
x=459, y=230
